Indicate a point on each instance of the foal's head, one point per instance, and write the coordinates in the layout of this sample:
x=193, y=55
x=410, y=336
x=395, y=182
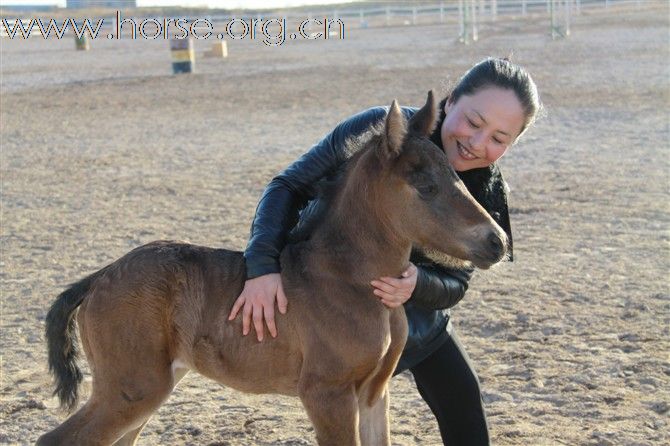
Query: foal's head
x=418, y=196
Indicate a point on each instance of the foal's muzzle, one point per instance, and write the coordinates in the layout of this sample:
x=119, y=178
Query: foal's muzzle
x=494, y=250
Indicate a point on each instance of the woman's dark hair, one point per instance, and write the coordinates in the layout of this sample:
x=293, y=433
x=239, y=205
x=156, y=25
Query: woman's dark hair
x=502, y=73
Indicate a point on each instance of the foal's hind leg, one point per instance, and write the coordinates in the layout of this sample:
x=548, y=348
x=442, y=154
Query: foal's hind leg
x=131, y=372
x=111, y=412
x=131, y=437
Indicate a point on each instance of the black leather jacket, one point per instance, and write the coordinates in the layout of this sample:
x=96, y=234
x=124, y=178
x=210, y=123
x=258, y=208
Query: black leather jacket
x=290, y=198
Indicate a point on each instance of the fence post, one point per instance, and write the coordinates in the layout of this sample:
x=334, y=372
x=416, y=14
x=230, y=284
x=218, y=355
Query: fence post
x=494, y=9
x=473, y=22
x=441, y=12
x=468, y=20
x=559, y=14
x=523, y=7
x=578, y=6
x=461, y=21
x=552, y=19
x=388, y=16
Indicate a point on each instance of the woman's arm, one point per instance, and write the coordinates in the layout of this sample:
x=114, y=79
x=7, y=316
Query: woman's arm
x=438, y=288
x=431, y=287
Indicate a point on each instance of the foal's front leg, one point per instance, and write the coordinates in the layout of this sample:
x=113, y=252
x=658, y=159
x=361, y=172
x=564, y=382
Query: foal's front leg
x=333, y=410
x=374, y=420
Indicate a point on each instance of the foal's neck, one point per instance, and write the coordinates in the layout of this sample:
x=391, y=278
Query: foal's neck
x=359, y=240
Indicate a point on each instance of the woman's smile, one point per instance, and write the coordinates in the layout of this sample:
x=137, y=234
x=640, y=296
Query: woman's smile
x=465, y=153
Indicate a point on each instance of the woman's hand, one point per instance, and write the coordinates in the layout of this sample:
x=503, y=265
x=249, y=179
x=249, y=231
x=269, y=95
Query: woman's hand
x=258, y=299
x=395, y=292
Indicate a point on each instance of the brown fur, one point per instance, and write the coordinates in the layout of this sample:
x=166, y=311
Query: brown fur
x=161, y=310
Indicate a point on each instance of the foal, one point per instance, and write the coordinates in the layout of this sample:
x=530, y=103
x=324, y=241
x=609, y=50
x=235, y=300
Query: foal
x=159, y=311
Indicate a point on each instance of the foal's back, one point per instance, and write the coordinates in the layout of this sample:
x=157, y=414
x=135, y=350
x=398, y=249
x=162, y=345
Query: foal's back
x=182, y=295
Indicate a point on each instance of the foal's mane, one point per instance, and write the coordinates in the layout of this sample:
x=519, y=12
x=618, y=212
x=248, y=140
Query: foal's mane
x=327, y=188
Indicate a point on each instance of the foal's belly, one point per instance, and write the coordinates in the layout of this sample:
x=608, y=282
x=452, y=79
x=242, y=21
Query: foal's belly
x=243, y=363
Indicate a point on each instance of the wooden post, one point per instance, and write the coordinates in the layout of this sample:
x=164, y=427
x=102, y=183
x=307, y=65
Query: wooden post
x=414, y=16
x=388, y=16
x=441, y=12
x=523, y=8
x=494, y=9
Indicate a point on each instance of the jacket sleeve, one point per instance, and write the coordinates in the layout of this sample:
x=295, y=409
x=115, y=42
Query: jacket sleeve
x=438, y=288
x=278, y=209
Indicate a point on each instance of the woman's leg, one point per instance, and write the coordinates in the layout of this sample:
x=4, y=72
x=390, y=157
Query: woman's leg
x=447, y=382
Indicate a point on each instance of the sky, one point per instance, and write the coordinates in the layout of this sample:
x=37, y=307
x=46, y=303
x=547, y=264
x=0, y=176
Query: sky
x=207, y=3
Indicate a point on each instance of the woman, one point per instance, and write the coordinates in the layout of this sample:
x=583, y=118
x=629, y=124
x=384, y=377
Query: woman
x=492, y=105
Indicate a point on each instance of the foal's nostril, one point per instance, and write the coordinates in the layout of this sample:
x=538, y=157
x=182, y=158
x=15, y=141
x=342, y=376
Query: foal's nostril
x=496, y=244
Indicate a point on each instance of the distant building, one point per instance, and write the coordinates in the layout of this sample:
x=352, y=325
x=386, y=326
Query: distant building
x=101, y=4
x=26, y=7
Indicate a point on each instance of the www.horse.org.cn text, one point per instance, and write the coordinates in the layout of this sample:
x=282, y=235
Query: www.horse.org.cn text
x=271, y=31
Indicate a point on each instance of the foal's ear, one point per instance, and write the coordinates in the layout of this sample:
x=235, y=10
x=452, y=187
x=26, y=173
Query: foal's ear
x=423, y=121
x=394, y=132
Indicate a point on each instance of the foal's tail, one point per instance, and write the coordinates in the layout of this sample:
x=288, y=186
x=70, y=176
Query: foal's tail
x=62, y=340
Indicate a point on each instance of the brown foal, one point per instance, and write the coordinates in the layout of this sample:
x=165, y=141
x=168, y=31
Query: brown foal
x=159, y=311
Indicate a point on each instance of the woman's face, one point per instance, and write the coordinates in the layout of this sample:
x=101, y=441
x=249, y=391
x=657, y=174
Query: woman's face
x=478, y=129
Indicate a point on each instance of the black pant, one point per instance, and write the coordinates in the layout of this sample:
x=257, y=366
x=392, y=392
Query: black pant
x=448, y=383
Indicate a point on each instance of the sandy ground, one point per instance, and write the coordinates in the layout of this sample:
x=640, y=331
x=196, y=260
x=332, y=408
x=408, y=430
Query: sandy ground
x=105, y=150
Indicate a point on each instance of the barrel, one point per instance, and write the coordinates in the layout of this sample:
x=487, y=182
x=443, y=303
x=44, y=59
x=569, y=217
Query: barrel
x=82, y=43
x=219, y=50
x=183, y=55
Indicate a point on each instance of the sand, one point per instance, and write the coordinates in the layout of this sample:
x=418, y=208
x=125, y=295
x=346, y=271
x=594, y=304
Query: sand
x=105, y=150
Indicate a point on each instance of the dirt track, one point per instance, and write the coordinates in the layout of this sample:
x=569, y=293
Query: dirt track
x=105, y=150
